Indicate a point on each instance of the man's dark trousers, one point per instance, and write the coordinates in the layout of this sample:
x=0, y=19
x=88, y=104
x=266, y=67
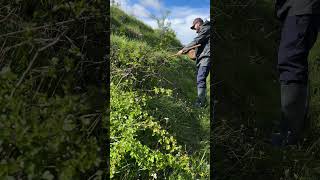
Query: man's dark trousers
x=298, y=36
x=202, y=73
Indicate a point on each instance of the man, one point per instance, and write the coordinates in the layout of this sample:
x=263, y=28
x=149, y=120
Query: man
x=203, y=62
x=300, y=25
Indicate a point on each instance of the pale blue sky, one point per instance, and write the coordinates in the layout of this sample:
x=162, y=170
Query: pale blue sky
x=182, y=13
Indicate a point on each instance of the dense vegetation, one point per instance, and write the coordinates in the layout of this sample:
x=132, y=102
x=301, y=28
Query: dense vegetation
x=154, y=132
x=52, y=78
x=248, y=95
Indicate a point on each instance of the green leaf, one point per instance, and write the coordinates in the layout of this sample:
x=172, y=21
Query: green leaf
x=47, y=175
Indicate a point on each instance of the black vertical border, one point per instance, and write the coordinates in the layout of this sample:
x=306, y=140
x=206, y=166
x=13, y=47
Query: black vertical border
x=212, y=89
x=106, y=145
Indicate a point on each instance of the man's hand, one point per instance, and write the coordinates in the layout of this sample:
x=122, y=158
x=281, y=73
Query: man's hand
x=182, y=51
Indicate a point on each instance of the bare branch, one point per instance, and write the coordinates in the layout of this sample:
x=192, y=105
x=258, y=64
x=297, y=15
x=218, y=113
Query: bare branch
x=44, y=26
x=33, y=60
x=4, y=19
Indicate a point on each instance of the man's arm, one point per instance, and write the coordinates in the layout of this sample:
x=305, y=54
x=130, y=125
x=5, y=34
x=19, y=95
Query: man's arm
x=182, y=51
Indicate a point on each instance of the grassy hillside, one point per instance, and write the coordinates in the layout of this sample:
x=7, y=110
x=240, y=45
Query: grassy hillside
x=248, y=95
x=125, y=25
x=155, y=131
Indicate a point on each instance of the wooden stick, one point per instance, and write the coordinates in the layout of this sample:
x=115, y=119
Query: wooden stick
x=192, y=47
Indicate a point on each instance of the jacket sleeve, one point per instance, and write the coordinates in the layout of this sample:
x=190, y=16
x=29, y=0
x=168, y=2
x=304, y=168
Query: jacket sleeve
x=279, y=8
x=203, y=35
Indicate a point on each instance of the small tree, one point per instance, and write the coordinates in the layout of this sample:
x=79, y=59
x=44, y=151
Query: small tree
x=114, y=3
x=167, y=34
x=163, y=25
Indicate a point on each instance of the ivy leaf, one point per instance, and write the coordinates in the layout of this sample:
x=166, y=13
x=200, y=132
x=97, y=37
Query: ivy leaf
x=68, y=125
x=47, y=175
x=54, y=61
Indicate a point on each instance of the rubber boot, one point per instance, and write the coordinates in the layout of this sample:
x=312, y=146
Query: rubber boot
x=294, y=105
x=201, y=99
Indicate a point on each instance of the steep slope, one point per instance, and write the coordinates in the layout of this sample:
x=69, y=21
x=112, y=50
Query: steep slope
x=155, y=131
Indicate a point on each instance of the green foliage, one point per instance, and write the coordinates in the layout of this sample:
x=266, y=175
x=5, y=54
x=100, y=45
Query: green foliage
x=314, y=67
x=43, y=132
x=127, y=119
x=50, y=89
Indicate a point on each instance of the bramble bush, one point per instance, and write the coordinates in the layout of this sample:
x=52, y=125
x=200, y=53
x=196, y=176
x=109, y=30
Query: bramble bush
x=128, y=120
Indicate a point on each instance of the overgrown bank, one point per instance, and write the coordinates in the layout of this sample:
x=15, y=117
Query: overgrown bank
x=155, y=131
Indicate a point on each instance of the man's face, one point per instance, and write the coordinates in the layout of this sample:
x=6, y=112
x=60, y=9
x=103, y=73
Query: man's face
x=197, y=27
